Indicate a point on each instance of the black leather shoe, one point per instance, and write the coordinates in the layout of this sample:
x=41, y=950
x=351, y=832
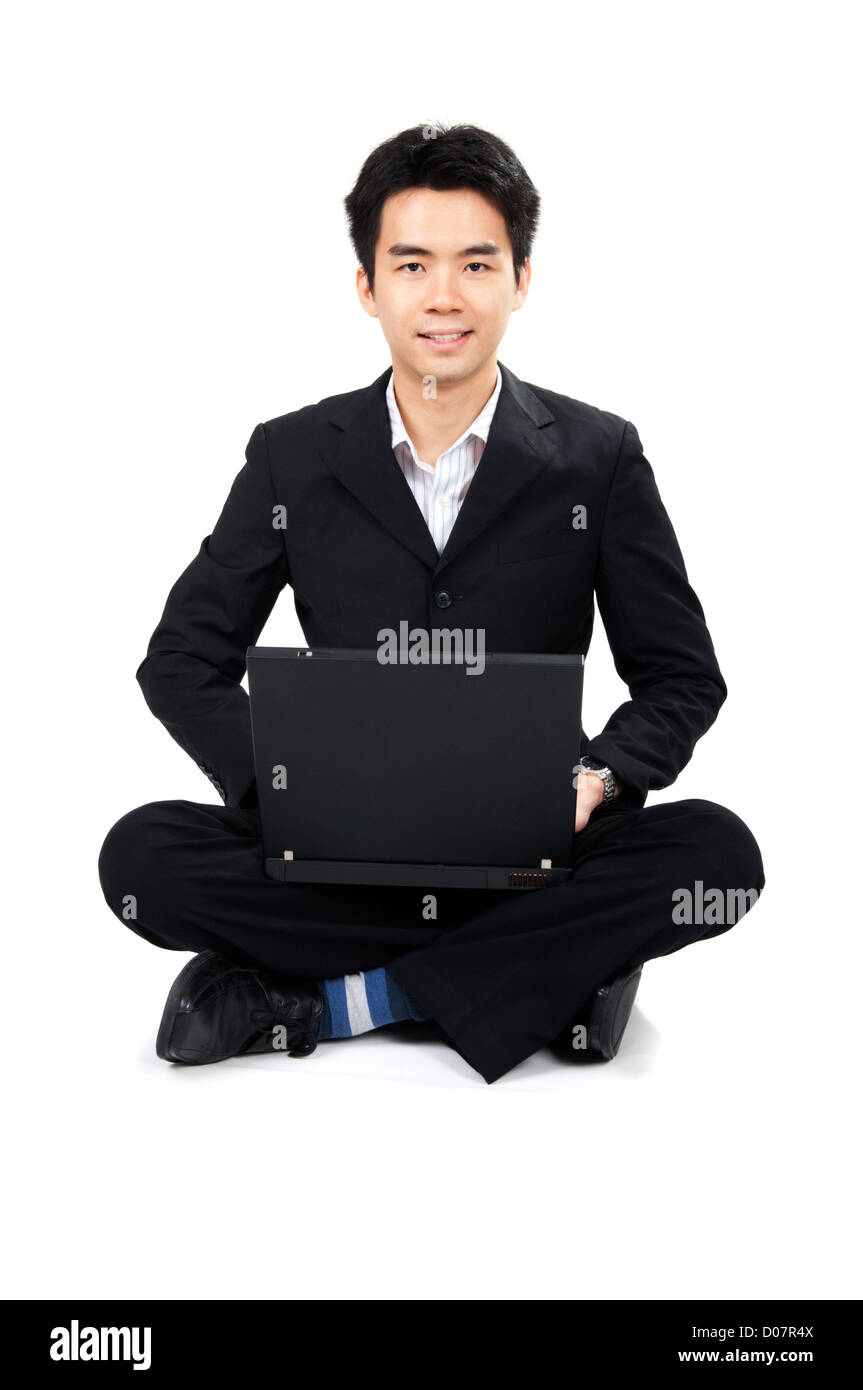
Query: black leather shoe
x=609, y=1013
x=605, y=1019
x=218, y=1009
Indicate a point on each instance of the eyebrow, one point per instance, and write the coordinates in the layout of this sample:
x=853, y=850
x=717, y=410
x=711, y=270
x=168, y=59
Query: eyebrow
x=483, y=248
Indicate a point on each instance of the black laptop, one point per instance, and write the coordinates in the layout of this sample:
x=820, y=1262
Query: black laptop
x=427, y=775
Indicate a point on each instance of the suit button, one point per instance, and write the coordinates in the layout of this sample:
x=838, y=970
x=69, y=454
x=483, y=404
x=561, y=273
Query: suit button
x=443, y=599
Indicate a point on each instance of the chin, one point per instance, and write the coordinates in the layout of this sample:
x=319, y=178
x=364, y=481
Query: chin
x=443, y=365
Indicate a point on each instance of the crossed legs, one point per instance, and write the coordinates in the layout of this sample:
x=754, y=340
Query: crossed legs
x=502, y=973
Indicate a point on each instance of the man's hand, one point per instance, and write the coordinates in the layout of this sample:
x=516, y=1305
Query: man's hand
x=589, y=794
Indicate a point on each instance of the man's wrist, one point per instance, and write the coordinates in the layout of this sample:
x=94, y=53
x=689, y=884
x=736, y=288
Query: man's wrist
x=594, y=767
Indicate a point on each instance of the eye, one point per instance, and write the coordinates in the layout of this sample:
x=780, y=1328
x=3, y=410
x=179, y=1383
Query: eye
x=477, y=265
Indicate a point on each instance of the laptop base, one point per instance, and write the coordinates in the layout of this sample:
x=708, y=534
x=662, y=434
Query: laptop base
x=496, y=876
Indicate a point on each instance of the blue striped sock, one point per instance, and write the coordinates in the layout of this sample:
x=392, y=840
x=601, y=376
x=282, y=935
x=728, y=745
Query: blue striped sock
x=357, y=1003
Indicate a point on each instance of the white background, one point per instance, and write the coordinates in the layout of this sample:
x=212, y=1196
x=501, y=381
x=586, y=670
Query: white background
x=177, y=268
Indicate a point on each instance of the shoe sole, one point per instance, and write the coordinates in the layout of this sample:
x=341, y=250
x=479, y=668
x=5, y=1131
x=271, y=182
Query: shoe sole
x=169, y=1013
x=609, y=1014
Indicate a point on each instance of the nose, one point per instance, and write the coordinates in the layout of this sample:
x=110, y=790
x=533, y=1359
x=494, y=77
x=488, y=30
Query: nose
x=442, y=293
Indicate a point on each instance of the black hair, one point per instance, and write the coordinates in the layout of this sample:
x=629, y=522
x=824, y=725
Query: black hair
x=442, y=157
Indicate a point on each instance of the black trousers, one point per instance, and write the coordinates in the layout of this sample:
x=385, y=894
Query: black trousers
x=501, y=973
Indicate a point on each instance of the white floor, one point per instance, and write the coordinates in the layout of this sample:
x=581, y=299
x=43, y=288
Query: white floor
x=711, y=1158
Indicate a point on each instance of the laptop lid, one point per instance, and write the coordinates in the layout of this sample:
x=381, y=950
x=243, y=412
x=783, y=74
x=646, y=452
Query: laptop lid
x=362, y=760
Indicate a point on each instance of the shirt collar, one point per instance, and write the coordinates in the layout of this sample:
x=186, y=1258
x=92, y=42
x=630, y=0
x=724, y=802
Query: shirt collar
x=480, y=426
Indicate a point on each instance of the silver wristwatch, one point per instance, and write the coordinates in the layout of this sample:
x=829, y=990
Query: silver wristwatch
x=594, y=765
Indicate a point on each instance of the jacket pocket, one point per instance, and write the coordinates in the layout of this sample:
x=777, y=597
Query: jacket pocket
x=538, y=544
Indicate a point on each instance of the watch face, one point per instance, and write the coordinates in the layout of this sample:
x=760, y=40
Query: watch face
x=592, y=763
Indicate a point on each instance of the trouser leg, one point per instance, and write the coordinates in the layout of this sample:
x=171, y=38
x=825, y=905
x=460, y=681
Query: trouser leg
x=501, y=973
x=188, y=876
x=513, y=976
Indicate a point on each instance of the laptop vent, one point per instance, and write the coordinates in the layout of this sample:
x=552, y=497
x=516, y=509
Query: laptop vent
x=526, y=880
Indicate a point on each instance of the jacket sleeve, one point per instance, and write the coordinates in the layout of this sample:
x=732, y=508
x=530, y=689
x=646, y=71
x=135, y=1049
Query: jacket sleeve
x=196, y=657
x=656, y=630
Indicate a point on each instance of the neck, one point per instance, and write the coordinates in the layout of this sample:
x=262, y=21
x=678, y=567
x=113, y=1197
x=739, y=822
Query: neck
x=434, y=424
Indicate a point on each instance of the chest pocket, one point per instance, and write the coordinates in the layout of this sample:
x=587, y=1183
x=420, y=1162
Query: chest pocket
x=540, y=543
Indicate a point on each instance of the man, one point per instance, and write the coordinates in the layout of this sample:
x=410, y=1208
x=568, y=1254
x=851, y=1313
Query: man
x=449, y=487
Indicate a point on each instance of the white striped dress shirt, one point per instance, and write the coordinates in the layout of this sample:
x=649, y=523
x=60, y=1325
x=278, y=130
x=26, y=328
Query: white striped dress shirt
x=440, y=488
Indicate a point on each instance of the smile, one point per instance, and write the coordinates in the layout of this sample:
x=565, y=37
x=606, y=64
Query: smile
x=446, y=339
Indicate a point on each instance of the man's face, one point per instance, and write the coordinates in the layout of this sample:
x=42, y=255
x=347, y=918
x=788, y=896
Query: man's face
x=443, y=264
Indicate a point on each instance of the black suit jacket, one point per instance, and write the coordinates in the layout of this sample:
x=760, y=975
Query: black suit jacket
x=356, y=551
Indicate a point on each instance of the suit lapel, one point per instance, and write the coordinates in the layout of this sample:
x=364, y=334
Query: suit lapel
x=362, y=457
x=515, y=453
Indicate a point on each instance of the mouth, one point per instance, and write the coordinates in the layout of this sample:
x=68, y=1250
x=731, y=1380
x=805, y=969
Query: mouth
x=446, y=340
